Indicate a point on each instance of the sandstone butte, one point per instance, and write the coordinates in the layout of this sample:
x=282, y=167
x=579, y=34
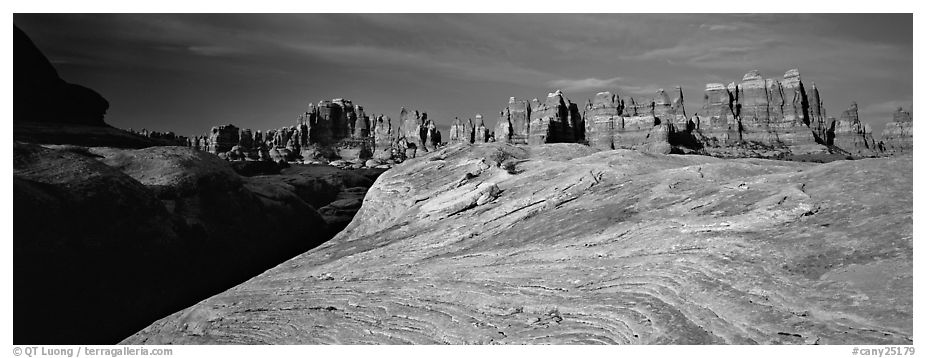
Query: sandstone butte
x=563, y=243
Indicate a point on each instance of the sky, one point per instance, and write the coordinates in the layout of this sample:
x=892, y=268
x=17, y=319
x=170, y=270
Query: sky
x=188, y=72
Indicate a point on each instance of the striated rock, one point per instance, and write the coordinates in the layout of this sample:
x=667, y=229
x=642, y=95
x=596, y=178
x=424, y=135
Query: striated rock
x=602, y=120
x=753, y=100
x=458, y=132
x=433, y=136
x=897, y=136
x=816, y=115
x=481, y=133
x=550, y=121
x=607, y=126
x=662, y=106
x=669, y=250
x=720, y=123
x=503, y=128
x=361, y=124
x=680, y=119
x=788, y=110
x=383, y=137
x=518, y=114
x=852, y=135
x=412, y=127
x=631, y=109
x=759, y=117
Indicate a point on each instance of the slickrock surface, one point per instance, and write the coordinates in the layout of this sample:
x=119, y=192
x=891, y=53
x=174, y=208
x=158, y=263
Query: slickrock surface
x=114, y=239
x=563, y=243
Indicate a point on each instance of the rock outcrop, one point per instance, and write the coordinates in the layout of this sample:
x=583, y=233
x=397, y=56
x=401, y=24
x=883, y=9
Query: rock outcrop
x=412, y=128
x=42, y=96
x=718, y=122
x=330, y=130
x=852, y=135
x=180, y=220
x=49, y=110
x=897, y=136
x=481, y=133
x=551, y=121
x=669, y=250
x=384, y=138
x=765, y=118
x=514, y=122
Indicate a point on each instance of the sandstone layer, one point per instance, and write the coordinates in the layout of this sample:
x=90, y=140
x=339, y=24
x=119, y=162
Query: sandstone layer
x=563, y=243
x=897, y=136
x=852, y=135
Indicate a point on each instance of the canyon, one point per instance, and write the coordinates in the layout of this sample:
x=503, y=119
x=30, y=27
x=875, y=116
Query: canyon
x=756, y=219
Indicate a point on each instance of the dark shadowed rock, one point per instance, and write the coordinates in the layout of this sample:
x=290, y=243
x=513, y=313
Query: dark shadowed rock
x=41, y=96
x=48, y=110
x=139, y=234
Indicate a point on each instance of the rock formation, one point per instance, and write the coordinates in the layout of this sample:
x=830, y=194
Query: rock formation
x=852, y=135
x=517, y=117
x=383, y=138
x=503, y=128
x=330, y=130
x=603, y=120
x=180, y=219
x=457, y=132
x=718, y=121
x=759, y=117
x=669, y=250
x=608, y=126
x=47, y=109
x=897, y=136
x=42, y=96
x=481, y=134
x=433, y=136
x=550, y=120
x=223, y=138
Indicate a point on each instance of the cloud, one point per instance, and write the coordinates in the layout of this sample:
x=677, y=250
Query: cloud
x=472, y=68
x=583, y=84
x=719, y=27
x=884, y=110
x=214, y=51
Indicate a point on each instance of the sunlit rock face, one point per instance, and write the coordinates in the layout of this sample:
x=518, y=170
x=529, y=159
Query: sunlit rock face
x=481, y=133
x=852, y=135
x=897, y=135
x=608, y=127
x=670, y=250
x=718, y=121
x=602, y=117
x=549, y=120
